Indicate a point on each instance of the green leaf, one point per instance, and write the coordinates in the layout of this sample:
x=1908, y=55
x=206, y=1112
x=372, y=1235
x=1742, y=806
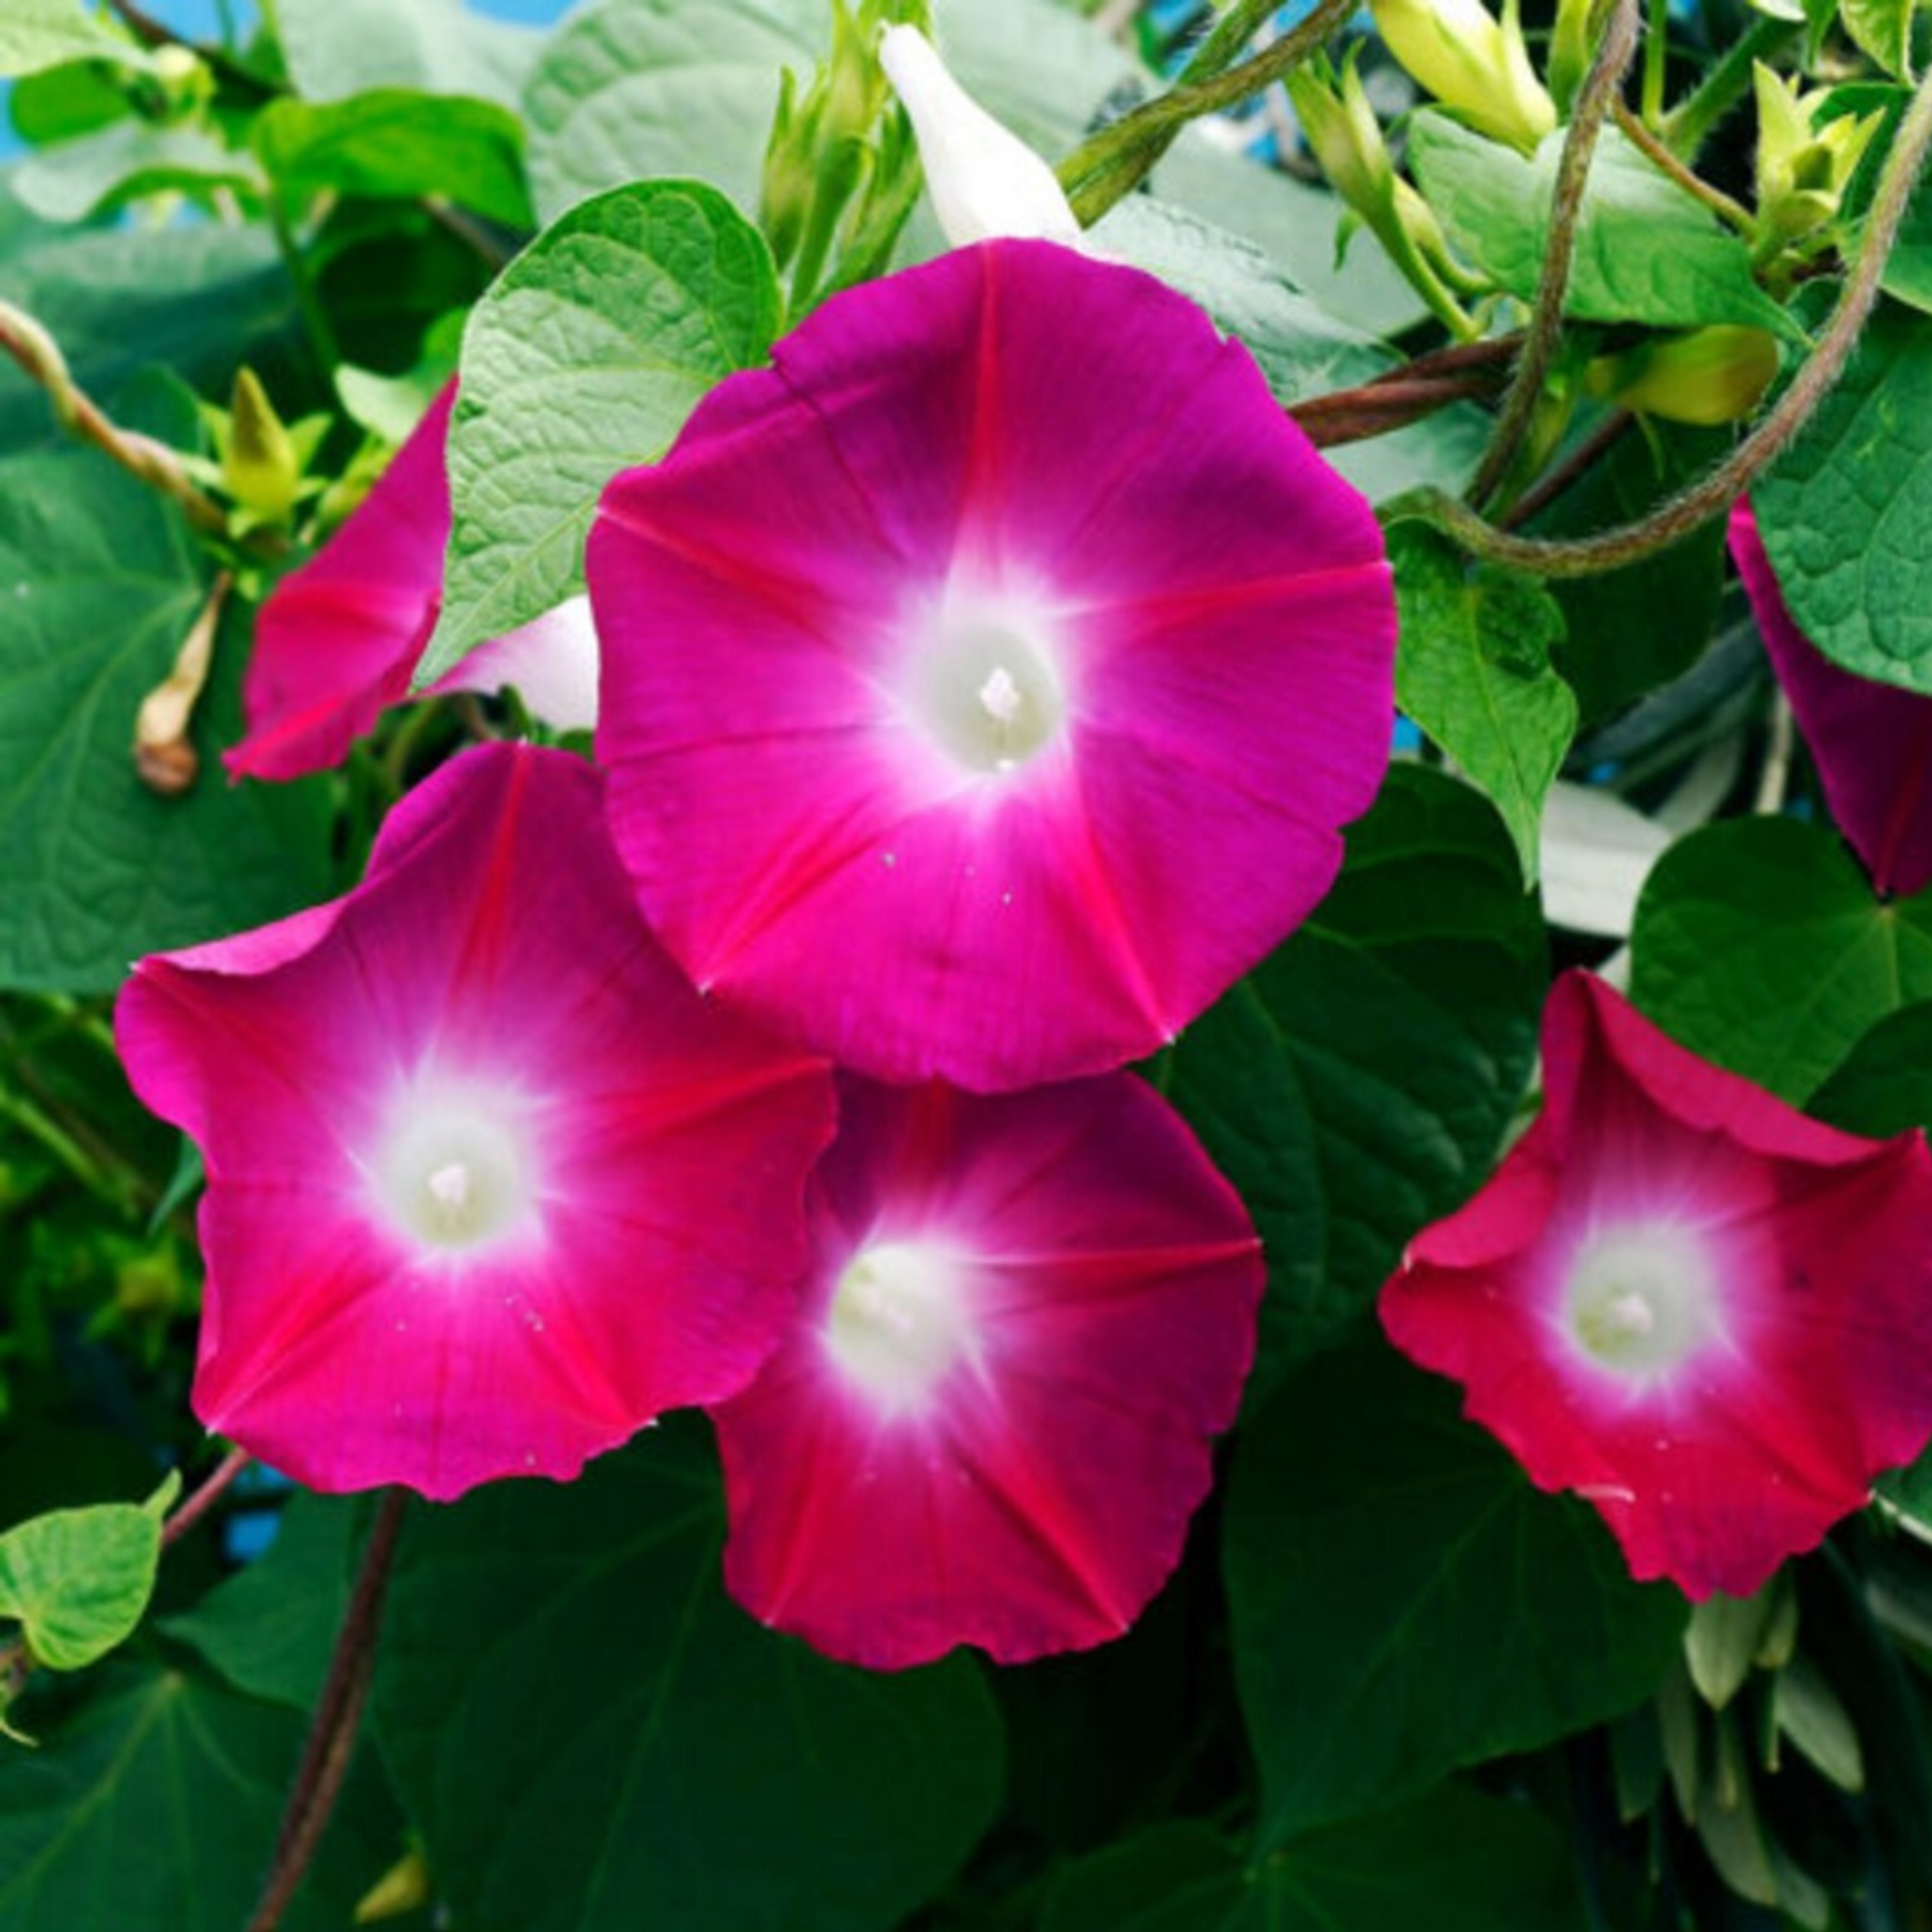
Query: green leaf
x=1884, y=1085
x=1883, y=29
x=1647, y=250
x=100, y=583
x=153, y=1803
x=583, y=358
x=1760, y=945
x=338, y=47
x=270, y=1628
x=79, y=1579
x=98, y=171
x=591, y=1738
x=1474, y=671
x=1404, y=1603
x=1845, y=512
x=40, y=34
x=396, y=144
x=1453, y=1862
x=1355, y=1086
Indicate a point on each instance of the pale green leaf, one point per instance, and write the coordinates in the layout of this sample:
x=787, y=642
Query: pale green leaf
x=78, y=1580
x=40, y=34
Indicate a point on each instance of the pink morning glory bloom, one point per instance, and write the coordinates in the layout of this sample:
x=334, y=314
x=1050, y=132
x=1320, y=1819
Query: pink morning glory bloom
x=1682, y=1299
x=1024, y=1316
x=1871, y=742
x=488, y=1185
x=985, y=683
x=339, y=640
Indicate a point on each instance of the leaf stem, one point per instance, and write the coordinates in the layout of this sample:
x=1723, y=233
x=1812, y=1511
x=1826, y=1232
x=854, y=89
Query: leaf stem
x=1115, y=161
x=1719, y=488
x=339, y=1716
x=214, y=1487
x=1689, y=124
x=1558, y=481
x=1590, y=111
x=315, y=319
x=153, y=463
x=1735, y=213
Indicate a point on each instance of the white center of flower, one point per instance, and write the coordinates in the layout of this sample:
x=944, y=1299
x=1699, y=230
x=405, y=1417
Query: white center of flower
x=897, y=1322
x=1641, y=1300
x=454, y=1172
x=986, y=690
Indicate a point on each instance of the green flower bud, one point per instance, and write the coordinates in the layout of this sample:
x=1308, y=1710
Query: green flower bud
x=1708, y=377
x=1473, y=64
x=1803, y=166
x=260, y=467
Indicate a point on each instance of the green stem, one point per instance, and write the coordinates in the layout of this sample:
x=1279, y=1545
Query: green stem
x=1713, y=494
x=1688, y=125
x=1115, y=162
x=314, y=321
x=1735, y=213
x=1228, y=36
x=1656, y=57
x=1591, y=110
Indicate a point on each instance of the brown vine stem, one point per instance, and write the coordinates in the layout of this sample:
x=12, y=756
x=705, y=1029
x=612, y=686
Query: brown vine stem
x=153, y=463
x=1376, y=408
x=203, y=1499
x=1591, y=109
x=1719, y=488
x=1735, y=213
x=339, y=1716
x=1565, y=476
x=1115, y=162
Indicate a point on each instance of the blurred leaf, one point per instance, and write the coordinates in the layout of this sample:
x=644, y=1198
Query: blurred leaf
x=1760, y=944
x=97, y=172
x=1453, y=1862
x=40, y=34
x=100, y=583
x=269, y=1629
x=79, y=1579
x=1473, y=670
x=591, y=1738
x=1845, y=512
x=152, y=1806
x=60, y=102
x=338, y=47
x=1883, y=29
x=1647, y=250
x=1404, y=1603
x=1355, y=1085
x=583, y=358
x=395, y=144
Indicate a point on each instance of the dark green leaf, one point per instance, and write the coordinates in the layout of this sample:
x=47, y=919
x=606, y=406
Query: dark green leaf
x=1354, y=1087
x=1453, y=1862
x=1404, y=1603
x=1845, y=512
x=1474, y=671
x=1647, y=250
x=338, y=47
x=79, y=1579
x=593, y=1739
x=395, y=144
x=100, y=585
x=583, y=358
x=1760, y=944
x=152, y=1806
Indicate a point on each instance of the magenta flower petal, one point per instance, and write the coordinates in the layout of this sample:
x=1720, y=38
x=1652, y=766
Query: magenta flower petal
x=1871, y=742
x=1681, y=1297
x=339, y=640
x=490, y=1187
x=989, y=1424
x=985, y=684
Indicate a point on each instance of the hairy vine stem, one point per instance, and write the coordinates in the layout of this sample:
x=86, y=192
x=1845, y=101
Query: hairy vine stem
x=1719, y=488
x=1732, y=212
x=339, y=1716
x=1593, y=108
x=1114, y=162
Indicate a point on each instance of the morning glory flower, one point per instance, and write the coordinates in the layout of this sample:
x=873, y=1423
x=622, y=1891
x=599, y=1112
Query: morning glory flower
x=339, y=640
x=1702, y=1311
x=986, y=683
x=488, y=1185
x=1024, y=1316
x=1870, y=741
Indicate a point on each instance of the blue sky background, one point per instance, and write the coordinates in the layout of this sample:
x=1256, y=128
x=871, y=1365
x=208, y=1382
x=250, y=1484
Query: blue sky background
x=202, y=20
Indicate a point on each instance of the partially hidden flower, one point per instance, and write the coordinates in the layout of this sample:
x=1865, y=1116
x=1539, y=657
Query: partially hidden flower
x=985, y=182
x=986, y=683
x=337, y=640
x=1870, y=741
x=1702, y=1311
x=488, y=1186
x=1475, y=65
x=1024, y=1316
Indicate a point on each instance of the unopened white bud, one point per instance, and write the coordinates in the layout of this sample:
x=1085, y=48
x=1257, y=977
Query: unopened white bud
x=986, y=182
